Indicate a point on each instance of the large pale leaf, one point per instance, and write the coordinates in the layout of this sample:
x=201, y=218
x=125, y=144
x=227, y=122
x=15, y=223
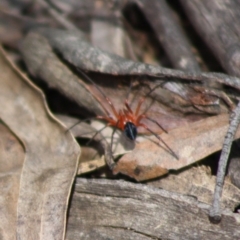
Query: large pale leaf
x=50, y=163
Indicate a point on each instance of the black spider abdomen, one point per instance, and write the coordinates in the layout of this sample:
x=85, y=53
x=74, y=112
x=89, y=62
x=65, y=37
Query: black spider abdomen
x=130, y=131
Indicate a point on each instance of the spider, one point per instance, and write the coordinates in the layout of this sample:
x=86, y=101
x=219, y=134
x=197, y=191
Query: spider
x=126, y=119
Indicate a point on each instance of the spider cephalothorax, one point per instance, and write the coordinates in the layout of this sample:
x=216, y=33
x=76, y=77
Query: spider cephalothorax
x=128, y=121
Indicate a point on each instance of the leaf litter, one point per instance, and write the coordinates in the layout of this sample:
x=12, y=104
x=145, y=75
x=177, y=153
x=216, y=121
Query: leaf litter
x=191, y=102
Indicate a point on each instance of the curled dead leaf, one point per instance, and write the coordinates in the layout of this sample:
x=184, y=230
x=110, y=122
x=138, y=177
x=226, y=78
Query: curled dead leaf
x=191, y=143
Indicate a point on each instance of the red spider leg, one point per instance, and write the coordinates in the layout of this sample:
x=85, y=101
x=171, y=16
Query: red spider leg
x=128, y=106
x=159, y=138
x=138, y=124
x=109, y=119
x=137, y=109
x=122, y=118
x=142, y=115
x=141, y=100
x=138, y=117
x=119, y=116
x=145, y=115
x=112, y=107
x=103, y=94
x=138, y=106
x=152, y=120
x=127, y=117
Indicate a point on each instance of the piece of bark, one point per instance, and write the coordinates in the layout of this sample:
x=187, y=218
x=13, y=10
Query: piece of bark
x=170, y=34
x=217, y=22
x=74, y=49
x=104, y=209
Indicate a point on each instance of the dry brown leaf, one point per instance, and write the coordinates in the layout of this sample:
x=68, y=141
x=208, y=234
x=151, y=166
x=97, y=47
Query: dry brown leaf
x=51, y=159
x=194, y=142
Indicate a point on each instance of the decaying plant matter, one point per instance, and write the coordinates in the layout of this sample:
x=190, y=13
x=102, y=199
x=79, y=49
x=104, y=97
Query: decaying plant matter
x=181, y=57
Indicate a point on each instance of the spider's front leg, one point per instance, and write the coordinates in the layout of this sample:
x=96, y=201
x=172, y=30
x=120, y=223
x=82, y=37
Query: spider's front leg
x=159, y=138
x=112, y=107
x=137, y=109
x=141, y=100
x=142, y=116
x=128, y=106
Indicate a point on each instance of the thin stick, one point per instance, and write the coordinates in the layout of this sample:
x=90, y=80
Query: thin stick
x=215, y=210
